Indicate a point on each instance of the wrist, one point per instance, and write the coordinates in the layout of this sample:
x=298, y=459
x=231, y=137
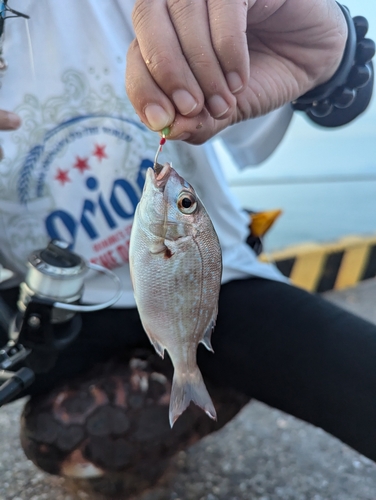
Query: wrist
x=352, y=75
x=336, y=51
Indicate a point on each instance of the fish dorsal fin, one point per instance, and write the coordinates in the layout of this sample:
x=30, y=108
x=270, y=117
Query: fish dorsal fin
x=206, y=339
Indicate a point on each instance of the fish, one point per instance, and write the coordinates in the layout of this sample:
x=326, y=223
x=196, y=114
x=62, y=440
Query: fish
x=176, y=267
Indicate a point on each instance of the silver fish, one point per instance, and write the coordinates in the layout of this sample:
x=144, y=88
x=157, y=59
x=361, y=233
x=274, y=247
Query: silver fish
x=176, y=267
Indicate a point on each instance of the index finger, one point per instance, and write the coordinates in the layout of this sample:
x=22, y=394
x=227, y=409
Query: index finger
x=228, y=25
x=180, y=55
x=161, y=51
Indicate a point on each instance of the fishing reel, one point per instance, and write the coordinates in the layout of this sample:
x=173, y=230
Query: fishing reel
x=48, y=318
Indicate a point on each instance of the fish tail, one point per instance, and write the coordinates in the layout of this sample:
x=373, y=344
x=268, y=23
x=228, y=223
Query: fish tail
x=187, y=387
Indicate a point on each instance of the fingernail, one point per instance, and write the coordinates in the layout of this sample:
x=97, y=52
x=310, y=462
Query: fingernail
x=183, y=137
x=14, y=121
x=157, y=116
x=234, y=82
x=184, y=101
x=218, y=106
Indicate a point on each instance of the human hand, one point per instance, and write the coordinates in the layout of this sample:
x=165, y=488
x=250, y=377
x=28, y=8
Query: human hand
x=8, y=121
x=203, y=65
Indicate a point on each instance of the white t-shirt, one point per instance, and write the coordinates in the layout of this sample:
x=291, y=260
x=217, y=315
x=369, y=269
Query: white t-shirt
x=75, y=169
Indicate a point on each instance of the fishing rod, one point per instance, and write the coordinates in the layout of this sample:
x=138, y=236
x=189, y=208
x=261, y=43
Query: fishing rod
x=46, y=321
x=6, y=12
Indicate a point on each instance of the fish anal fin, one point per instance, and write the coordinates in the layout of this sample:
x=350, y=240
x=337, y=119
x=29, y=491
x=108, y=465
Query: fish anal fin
x=159, y=348
x=187, y=387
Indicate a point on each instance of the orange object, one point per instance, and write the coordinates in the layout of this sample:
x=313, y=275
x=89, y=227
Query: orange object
x=261, y=222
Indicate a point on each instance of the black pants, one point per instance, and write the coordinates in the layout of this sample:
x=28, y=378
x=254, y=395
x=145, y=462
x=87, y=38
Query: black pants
x=277, y=343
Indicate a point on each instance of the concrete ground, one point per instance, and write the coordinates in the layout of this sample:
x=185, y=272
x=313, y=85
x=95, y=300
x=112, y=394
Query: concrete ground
x=263, y=454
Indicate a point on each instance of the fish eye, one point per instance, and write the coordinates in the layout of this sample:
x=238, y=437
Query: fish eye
x=187, y=204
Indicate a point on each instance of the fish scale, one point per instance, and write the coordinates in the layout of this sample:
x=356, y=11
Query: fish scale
x=176, y=268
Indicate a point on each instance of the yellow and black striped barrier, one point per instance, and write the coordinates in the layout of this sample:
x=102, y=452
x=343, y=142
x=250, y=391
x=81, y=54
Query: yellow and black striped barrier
x=329, y=266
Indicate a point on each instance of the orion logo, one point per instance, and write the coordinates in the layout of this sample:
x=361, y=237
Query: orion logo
x=87, y=177
x=113, y=211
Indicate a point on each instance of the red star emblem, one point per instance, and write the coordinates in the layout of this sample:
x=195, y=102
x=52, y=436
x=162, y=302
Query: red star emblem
x=81, y=164
x=99, y=152
x=62, y=176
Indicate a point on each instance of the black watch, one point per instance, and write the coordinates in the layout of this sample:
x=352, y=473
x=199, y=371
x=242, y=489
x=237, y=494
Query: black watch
x=348, y=93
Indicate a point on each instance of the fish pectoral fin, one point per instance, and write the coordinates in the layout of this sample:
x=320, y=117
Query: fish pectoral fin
x=161, y=248
x=206, y=339
x=187, y=387
x=156, y=248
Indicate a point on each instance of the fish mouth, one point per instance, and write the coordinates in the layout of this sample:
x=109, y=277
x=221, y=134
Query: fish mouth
x=161, y=174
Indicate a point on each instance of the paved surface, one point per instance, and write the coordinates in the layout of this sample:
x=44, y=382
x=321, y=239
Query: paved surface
x=262, y=454
x=360, y=300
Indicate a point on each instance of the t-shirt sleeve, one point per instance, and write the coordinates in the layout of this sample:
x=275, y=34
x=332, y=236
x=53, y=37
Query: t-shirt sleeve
x=253, y=141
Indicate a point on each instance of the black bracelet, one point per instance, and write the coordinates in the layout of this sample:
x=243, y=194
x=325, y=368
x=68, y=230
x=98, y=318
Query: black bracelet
x=348, y=92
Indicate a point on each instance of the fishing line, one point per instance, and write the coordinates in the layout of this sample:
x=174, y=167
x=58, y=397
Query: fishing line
x=164, y=133
x=31, y=53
